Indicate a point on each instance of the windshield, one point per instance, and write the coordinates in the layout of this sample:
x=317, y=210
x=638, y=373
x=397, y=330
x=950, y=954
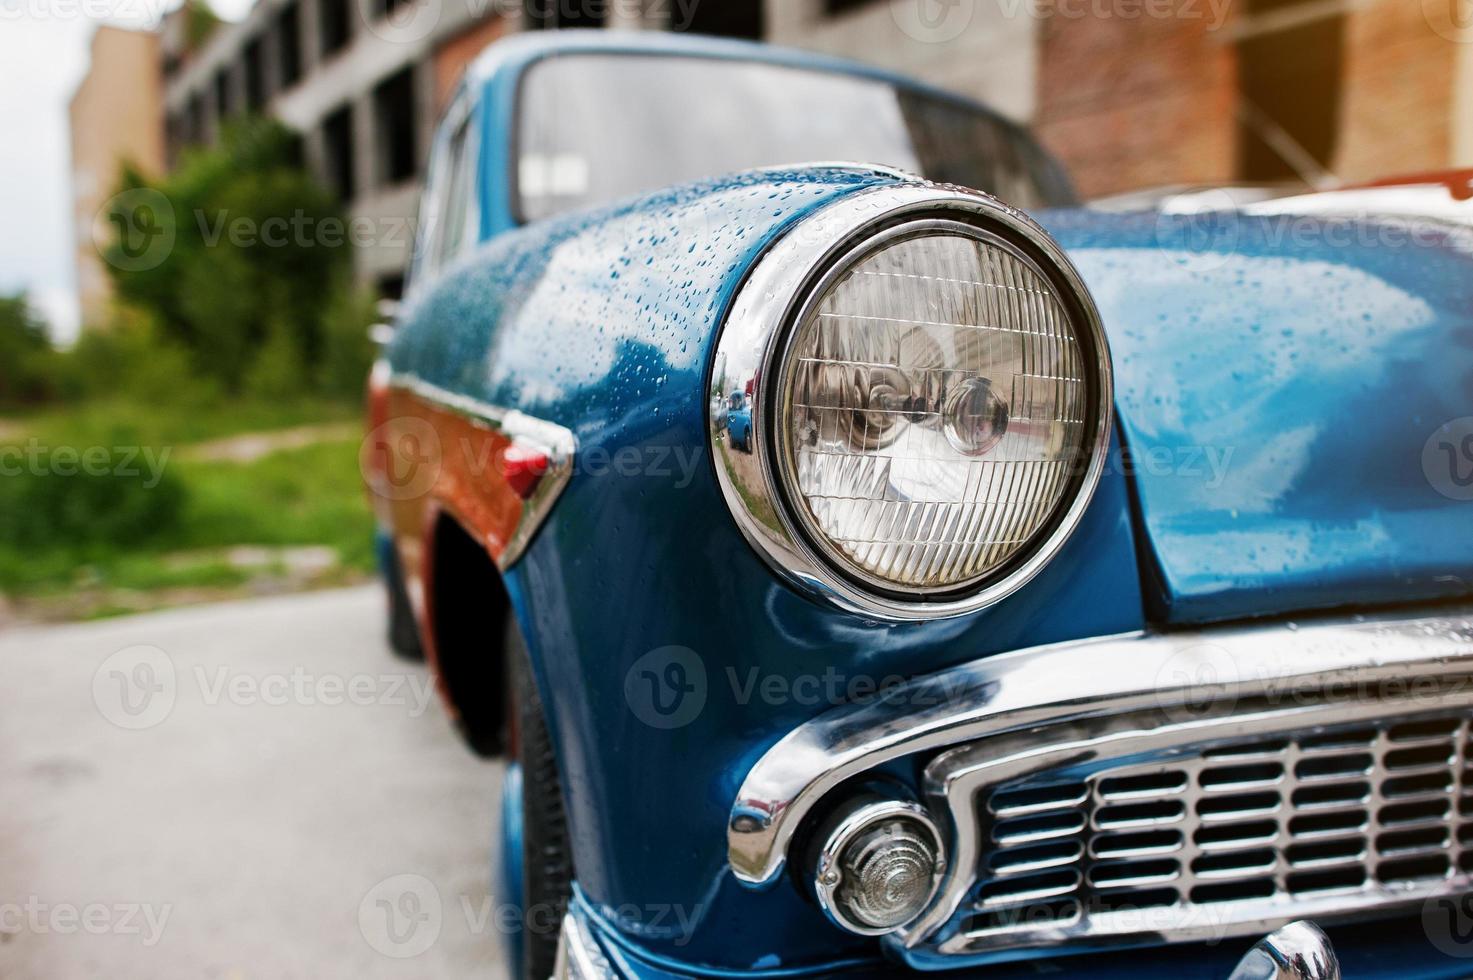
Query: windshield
x=593, y=128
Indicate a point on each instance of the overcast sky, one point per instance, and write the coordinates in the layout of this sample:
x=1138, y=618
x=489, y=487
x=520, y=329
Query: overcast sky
x=43, y=56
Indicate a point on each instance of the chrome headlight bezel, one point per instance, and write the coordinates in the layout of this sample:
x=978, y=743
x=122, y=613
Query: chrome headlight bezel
x=757, y=335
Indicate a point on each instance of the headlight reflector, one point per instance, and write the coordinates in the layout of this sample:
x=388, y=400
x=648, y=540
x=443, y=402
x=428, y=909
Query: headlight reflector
x=933, y=406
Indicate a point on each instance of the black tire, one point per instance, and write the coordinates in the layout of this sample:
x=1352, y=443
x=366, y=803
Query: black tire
x=403, y=630
x=547, y=860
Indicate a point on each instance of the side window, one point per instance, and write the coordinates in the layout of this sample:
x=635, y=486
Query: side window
x=450, y=208
x=460, y=211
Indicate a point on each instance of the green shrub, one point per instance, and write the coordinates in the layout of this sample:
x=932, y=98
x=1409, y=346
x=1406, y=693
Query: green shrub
x=256, y=255
x=347, y=350
x=63, y=497
x=27, y=361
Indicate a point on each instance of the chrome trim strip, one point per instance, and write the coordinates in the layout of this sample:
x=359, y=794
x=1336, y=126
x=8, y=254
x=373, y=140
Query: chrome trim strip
x=1298, y=951
x=750, y=348
x=579, y=956
x=555, y=441
x=1069, y=681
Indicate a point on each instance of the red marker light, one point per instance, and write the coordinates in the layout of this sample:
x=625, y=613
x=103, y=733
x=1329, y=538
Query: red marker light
x=523, y=467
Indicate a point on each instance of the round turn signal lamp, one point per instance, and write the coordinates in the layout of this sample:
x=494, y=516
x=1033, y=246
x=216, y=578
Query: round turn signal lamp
x=879, y=867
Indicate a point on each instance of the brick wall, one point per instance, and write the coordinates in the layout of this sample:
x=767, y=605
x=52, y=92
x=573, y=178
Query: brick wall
x=116, y=117
x=452, y=56
x=1396, y=113
x=1137, y=102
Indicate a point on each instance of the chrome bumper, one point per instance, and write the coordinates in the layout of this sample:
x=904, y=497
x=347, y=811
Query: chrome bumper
x=1299, y=951
x=579, y=956
x=1131, y=707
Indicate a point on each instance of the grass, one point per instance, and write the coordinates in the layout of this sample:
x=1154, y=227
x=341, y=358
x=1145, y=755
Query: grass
x=308, y=496
x=122, y=422
x=103, y=545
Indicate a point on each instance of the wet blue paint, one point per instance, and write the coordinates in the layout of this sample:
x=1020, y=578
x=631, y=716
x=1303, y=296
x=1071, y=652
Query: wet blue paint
x=1277, y=381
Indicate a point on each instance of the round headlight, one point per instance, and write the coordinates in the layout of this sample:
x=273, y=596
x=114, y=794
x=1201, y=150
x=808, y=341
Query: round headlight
x=931, y=409
x=920, y=396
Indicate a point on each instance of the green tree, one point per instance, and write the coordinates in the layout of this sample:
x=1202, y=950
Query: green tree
x=27, y=360
x=249, y=248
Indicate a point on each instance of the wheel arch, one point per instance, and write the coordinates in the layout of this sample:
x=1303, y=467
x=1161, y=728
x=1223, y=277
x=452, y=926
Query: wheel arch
x=467, y=614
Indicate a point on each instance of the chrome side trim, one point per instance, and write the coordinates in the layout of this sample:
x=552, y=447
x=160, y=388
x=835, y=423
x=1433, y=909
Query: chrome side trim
x=579, y=956
x=749, y=350
x=1072, y=681
x=1298, y=951
x=555, y=441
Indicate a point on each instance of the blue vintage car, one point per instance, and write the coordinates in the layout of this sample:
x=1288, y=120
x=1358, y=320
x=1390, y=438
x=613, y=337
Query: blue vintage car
x=1066, y=592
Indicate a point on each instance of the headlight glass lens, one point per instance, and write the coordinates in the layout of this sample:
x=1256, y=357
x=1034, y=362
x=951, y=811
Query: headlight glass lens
x=934, y=407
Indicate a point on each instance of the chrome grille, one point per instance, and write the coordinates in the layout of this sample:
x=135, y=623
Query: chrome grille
x=1361, y=808
x=1135, y=834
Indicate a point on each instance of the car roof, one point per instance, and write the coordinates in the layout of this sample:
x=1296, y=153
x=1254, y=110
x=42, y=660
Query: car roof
x=518, y=51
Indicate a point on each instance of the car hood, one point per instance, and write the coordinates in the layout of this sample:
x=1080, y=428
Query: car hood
x=1295, y=394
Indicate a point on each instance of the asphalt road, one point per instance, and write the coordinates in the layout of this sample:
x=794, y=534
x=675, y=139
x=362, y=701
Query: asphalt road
x=254, y=789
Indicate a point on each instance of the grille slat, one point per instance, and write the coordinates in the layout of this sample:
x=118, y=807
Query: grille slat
x=1223, y=828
